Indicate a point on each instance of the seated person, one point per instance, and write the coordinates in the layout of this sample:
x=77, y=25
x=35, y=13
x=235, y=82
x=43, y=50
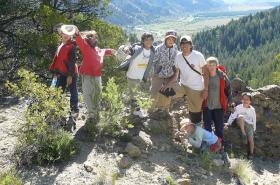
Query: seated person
x=245, y=117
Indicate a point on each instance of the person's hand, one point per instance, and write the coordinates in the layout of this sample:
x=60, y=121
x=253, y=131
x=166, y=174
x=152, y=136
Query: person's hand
x=114, y=52
x=77, y=30
x=69, y=81
x=164, y=87
x=204, y=94
x=126, y=50
x=226, y=125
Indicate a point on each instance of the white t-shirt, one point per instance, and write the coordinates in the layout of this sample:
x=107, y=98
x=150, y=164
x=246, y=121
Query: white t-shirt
x=188, y=77
x=249, y=115
x=139, y=65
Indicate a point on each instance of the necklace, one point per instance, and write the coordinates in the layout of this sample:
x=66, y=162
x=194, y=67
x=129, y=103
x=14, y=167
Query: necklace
x=146, y=55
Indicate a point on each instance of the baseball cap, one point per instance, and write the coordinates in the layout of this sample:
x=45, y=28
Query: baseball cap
x=186, y=38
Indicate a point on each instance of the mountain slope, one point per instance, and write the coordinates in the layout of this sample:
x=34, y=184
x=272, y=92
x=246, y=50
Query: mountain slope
x=247, y=46
x=145, y=11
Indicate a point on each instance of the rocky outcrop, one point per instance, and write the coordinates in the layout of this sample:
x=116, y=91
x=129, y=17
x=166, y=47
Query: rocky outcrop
x=266, y=102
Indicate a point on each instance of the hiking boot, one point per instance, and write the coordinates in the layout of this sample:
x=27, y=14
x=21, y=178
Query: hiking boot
x=226, y=159
x=75, y=114
x=250, y=157
x=244, y=139
x=140, y=113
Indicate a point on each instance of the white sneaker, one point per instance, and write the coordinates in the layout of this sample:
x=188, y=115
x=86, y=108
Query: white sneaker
x=140, y=113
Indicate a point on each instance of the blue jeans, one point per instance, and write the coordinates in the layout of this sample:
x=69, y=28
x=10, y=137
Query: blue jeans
x=62, y=82
x=216, y=116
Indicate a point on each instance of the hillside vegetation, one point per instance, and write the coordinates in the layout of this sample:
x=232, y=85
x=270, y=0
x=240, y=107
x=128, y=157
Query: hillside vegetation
x=247, y=47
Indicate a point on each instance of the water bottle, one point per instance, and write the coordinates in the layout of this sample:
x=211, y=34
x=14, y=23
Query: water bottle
x=54, y=81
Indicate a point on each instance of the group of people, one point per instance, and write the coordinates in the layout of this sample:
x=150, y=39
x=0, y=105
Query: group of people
x=165, y=72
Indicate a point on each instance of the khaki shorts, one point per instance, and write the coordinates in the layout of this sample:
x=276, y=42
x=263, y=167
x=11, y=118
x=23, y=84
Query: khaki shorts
x=249, y=129
x=194, y=98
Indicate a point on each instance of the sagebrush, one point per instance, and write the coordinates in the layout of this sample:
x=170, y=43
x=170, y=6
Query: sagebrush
x=41, y=136
x=113, y=118
x=10, y=177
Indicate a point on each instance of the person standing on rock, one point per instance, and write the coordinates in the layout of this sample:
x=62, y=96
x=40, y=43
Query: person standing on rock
x=191, y=66
x=164, y=70
x=245, y=117
x=139, y=71
x=64, y=66
x=90, y=71
x=219, y=95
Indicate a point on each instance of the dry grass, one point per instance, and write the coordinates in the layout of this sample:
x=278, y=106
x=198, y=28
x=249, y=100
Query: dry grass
x=242, y=169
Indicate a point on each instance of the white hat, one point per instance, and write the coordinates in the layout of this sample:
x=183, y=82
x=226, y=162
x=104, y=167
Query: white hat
x=187, y=38
x=68, y=29
x=171, y=33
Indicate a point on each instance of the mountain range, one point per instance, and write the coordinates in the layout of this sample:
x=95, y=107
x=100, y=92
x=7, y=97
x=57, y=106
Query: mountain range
x=135, y=12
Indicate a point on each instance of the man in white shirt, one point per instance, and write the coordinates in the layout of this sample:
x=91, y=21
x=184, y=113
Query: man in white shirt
x=193, y=77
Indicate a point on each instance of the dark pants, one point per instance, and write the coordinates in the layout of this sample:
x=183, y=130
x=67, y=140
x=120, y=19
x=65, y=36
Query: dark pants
x=62, y=82
x=216, y=116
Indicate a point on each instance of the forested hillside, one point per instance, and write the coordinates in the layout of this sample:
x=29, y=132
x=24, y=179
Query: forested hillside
x=247, y=47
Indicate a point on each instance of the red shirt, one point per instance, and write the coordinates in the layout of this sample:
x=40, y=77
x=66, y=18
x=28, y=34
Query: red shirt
x=64, y=61
x=92, y=62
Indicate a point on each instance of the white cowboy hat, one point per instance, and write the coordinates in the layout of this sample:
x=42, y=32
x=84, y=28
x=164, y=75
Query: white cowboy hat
x=68, y=29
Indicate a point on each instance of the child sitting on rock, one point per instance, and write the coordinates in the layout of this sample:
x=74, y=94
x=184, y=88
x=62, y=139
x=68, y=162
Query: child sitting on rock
x=198, y=137
x=245, y=117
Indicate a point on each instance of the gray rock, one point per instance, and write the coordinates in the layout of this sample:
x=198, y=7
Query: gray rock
x=143, y=141
x=132, y=150
x=88, y=168
x=184, y=182
x=124, y=162
x=218, y=162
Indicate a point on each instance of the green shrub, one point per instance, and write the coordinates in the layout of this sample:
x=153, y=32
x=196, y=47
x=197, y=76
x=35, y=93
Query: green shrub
x=10, y=178
x=170, y=181
x=144, y=100
x=113, y=115
x=41, y=138
x=206, y=161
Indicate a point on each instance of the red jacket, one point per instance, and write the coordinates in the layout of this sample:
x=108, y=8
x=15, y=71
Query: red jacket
x=64, y=61
x=92, y=62
x=225, y=91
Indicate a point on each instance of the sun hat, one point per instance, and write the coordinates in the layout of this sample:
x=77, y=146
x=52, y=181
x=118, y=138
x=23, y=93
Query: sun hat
x=68, y=29
x=171, y=33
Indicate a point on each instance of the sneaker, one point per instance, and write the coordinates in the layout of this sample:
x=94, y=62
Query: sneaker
x=140, y=113
x=244, y=139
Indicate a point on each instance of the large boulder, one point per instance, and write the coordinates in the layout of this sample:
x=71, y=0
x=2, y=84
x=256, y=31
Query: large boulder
x=143, y=141
x=266, y=102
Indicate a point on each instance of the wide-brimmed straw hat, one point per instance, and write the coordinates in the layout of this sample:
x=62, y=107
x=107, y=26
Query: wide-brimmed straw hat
x=68, y=29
